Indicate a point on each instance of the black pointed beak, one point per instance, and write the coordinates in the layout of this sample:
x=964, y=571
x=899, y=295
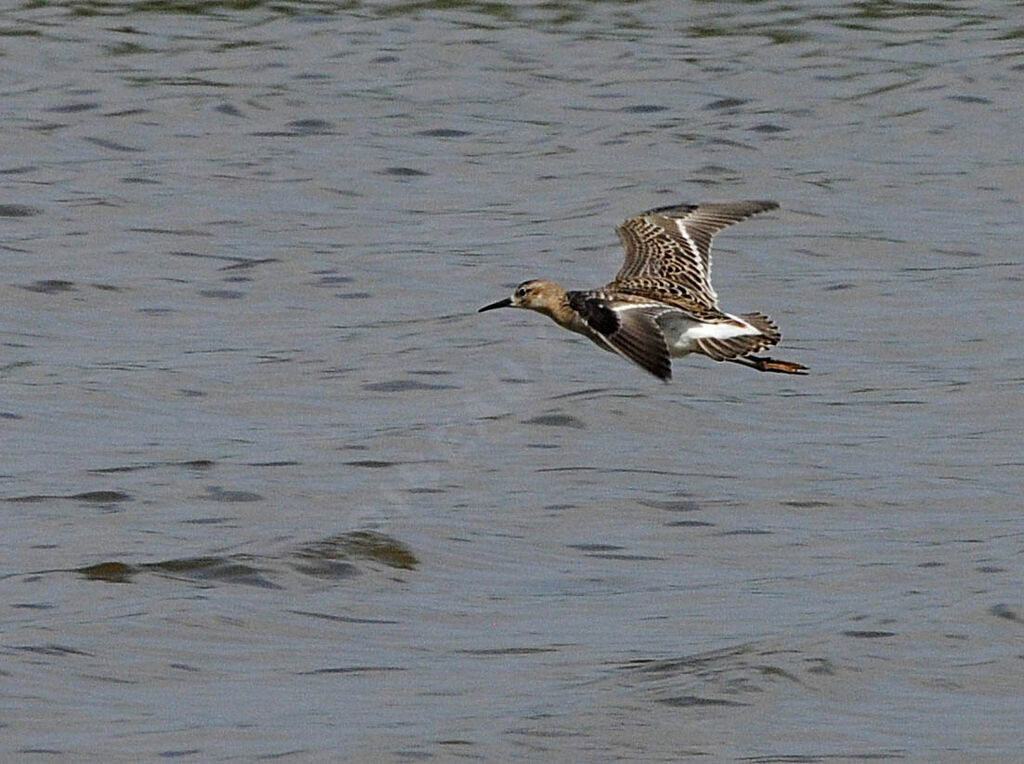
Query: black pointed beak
x=506, y=303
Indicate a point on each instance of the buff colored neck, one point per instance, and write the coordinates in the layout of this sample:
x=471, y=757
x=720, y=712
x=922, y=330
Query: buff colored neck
x=554, y=303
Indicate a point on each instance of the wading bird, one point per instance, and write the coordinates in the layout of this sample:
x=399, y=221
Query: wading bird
x=661, y=303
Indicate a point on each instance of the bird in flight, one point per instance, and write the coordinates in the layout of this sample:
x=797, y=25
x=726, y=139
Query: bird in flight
x=661, y=303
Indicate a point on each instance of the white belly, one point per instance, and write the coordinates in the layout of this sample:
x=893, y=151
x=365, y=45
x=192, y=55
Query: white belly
x=681, y=333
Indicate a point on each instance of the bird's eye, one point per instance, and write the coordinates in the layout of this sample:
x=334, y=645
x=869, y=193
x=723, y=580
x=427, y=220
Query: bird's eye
x=520, y=292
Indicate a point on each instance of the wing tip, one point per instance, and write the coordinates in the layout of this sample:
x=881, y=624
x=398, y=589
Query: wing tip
x=749, y=206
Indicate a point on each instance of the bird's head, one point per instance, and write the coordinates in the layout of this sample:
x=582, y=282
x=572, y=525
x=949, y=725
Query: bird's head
x=535, y=294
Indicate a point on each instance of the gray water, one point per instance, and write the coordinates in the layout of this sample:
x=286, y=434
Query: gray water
x=271, y=488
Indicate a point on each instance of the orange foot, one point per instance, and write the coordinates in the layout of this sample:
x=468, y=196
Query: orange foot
x=771, y=364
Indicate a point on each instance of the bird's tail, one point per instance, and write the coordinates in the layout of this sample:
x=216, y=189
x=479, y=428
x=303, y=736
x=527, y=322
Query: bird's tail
x=741, y=349
x=772, y=335
x=737, y=347
x=770, y=332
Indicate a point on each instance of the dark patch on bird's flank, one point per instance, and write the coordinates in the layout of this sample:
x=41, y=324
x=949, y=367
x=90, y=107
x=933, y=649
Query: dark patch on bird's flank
x=595, y=312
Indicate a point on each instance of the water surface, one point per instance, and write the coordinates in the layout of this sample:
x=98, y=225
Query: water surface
x=272, y=488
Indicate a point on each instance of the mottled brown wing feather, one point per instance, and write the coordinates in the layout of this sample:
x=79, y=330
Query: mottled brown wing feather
x=674, y=244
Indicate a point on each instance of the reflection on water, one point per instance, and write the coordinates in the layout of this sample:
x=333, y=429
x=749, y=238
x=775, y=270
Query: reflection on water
x=244, y=380
x=333, y=558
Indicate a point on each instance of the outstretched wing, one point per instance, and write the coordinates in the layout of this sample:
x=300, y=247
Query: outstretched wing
x=674, y=243
x=627, y=328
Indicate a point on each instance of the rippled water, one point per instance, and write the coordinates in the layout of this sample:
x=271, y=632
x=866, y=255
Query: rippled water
x=272, y=488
